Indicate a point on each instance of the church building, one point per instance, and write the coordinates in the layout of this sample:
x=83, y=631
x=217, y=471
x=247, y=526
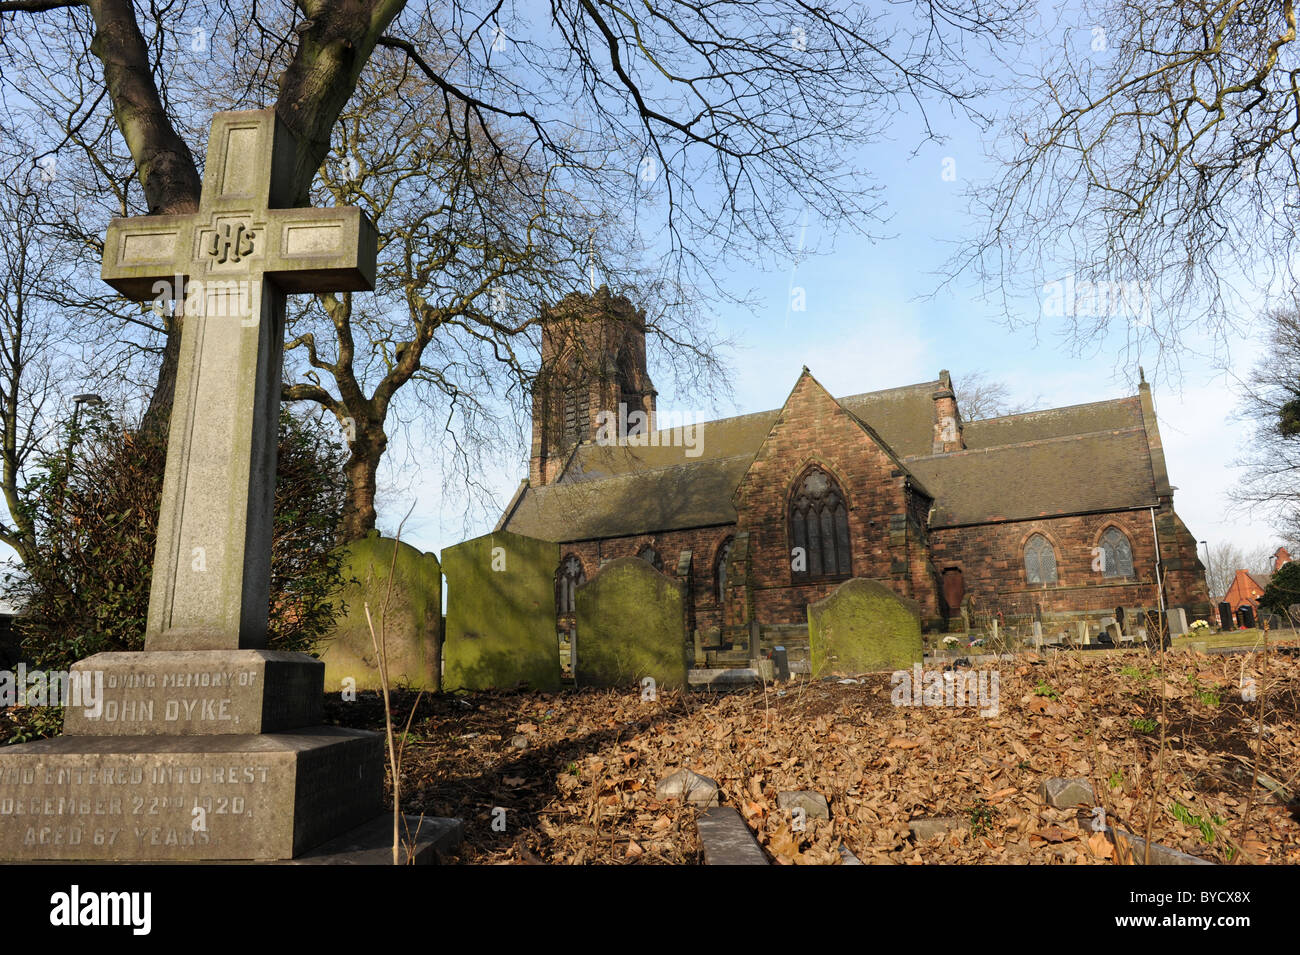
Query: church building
x=1055, y=516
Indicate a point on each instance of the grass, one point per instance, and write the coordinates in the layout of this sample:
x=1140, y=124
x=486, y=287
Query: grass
x=1207, y=695
x=1185, y=815
x=1043, y=689
x=981, y=818
x=1145, y=724
x=1136, y=673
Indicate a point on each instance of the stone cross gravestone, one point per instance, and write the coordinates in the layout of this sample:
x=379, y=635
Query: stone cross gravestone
x=204, y=746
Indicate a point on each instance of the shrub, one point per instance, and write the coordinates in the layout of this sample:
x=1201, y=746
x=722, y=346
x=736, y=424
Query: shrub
x=96, y=510
x=1283, y=589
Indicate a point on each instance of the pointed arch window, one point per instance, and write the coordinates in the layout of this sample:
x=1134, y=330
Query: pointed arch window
x=720, y=570
x=651, y=557
x=1118, y=553
x=568, y=579
x=1040, y=560
x=819, y=528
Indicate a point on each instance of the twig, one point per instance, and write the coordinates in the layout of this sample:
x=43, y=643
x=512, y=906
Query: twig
x=1160, y=755
x=1259, y=745
x=381, y=653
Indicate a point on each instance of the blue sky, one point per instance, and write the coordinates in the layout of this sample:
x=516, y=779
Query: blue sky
x=869, y=324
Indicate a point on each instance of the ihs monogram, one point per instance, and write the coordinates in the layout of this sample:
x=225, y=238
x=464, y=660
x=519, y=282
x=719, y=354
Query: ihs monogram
x=231, y=243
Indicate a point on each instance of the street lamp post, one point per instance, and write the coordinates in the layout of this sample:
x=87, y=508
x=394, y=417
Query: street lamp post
x=1209, y=571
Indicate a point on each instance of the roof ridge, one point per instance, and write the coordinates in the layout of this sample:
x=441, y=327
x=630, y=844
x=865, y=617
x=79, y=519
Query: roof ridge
x=1055, y=439
x=839, y=400
x=1040, y=411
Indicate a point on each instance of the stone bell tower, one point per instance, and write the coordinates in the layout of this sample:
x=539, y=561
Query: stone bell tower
x=593, y=361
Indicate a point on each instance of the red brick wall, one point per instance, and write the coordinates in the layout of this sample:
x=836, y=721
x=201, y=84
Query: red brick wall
x=991, y=558
x=1184, y=574
x=1244, y=590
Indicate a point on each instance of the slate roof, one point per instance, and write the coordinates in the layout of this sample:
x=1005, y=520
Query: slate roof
x=1079, y=459
x=1073, y=474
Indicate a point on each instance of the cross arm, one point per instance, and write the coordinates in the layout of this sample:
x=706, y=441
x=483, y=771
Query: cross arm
x=321, y=250
x=142, y=251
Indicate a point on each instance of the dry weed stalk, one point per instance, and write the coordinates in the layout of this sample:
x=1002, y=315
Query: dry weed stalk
x=381, y=654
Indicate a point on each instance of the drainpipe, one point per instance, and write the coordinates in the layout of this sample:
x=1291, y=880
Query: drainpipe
x=1160, y=586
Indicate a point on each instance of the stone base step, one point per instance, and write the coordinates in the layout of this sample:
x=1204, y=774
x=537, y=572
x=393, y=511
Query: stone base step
x=187, y=798
x=423, y=839
x=722, y=676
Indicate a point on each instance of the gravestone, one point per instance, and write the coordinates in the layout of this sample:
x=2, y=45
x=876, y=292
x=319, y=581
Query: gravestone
x=631, y=625
x=408, y=617
x=501, y=613
x=1177, y=621
x=203, y=746
x=1246, y=616
x=1226, y=619
x=863, y=626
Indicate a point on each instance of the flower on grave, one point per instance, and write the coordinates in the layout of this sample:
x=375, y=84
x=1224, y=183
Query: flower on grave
x=1200, y=625
x=949, y=642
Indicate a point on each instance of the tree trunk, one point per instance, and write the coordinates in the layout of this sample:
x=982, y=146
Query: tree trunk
x=361, y=470
x=157, y=418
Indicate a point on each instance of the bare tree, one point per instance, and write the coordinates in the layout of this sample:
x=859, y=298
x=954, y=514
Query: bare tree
x=1148, y=166
x=1226, y=558
x=31, y=366
x=1270, y=404
x=659, y=139
x=471, y=243
x=979, y=397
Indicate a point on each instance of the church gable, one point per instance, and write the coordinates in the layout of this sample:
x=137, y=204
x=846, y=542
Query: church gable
x=825, y=499
x=813, y=426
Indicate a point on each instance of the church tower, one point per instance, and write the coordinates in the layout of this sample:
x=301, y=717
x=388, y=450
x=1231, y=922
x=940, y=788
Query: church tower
x=593, y=361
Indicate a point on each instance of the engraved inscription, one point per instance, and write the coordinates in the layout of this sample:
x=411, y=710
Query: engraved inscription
x=188, y=696
x=115, y=801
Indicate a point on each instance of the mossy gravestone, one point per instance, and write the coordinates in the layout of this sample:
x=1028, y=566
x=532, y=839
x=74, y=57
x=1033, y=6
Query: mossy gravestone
x=863, y=626
x=631, y=625
x=410, y=616
x=501, y=613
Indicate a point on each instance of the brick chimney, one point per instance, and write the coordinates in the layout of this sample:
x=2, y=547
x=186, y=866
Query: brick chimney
x=593, y=360
x=947, y=419
x=1280, y=557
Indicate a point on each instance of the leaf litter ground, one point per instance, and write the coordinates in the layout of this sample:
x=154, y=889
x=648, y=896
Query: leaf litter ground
x=575, y=771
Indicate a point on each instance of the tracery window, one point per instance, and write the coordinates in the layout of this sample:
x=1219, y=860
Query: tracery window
x=1118, y=553
x=819, y=529
x=1040, y=560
